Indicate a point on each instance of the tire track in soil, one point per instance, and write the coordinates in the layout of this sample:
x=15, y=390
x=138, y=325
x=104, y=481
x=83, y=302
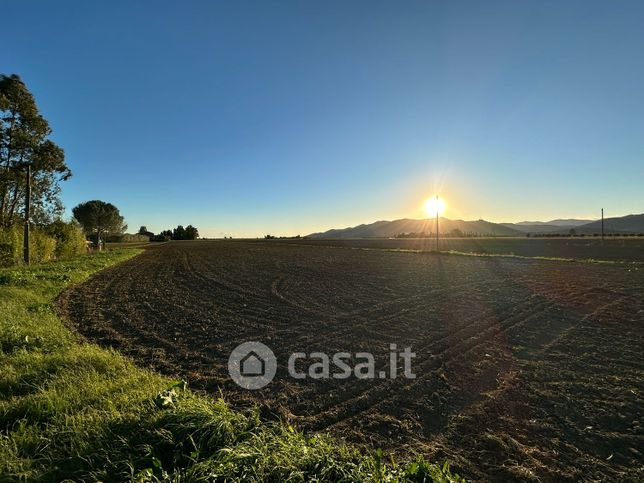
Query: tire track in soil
x=377, y=396
x=499, y=342
x=450, y=343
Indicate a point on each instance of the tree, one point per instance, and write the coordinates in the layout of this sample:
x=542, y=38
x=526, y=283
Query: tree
x=143, y=230
x=23, y=142
x=99, y=218
x=191, y=233
x=179, y=233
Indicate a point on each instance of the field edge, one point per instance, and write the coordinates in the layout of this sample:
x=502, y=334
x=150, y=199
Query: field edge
x=72, y=410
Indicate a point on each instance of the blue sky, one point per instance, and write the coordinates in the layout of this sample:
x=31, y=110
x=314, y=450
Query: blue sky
x=290, y=117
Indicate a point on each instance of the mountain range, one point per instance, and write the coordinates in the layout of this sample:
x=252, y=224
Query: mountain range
x=386, y=229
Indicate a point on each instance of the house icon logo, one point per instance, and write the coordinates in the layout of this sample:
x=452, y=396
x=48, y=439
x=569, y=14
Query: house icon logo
x=252, y=365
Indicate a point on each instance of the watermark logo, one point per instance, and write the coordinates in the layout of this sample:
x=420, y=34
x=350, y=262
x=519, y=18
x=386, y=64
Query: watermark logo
x=252, y=365
x=343, y=365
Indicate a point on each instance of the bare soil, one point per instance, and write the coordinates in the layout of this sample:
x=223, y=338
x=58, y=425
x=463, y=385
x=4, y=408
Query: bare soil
x=617, y=248
x=525, y=369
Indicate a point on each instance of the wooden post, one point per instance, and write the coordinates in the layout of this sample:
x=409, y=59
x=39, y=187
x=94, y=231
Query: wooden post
x=602, y=225
x=25, y=246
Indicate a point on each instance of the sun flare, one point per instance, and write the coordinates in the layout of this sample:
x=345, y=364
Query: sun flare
x=434, y=206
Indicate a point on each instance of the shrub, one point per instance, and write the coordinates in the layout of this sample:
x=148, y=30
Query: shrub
x=42, y=246
x=10, y=246
x=136, y=237
x=70, y=239
x=57, y=240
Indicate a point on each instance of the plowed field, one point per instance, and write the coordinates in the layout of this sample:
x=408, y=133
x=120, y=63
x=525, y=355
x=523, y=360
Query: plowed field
x=524, y=368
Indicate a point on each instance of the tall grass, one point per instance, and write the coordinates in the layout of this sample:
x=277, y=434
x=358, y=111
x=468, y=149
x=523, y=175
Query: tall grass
x=71, y=410
x=53, y=241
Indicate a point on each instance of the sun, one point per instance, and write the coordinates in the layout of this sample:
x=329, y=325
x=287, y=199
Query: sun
x=434, y=206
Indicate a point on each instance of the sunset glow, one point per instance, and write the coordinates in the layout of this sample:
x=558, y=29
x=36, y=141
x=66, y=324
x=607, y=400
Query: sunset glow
x=434, y=206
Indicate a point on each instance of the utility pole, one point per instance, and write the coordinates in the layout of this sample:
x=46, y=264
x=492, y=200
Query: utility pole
x=437, y=222
x=27, y=215
x=602, y=225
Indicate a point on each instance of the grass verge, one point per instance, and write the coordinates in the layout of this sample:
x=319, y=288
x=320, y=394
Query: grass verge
x=71, y=410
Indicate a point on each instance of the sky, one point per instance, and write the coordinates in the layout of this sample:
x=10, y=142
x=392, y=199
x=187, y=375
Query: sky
x=290, y=117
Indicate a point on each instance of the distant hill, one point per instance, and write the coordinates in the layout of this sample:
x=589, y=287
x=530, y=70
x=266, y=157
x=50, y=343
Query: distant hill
x=617, y=225
x=537, y=227
x=571, y=222
x=542, y=227
x=621, y=224
x=387, y=229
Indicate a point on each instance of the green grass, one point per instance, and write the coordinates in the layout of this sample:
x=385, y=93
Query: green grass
x=71, y=410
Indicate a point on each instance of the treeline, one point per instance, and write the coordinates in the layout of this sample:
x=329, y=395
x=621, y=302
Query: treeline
x=271, y=237
x=32, y=167
x=455, y=233
x=32, y=163
x=178, y=233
